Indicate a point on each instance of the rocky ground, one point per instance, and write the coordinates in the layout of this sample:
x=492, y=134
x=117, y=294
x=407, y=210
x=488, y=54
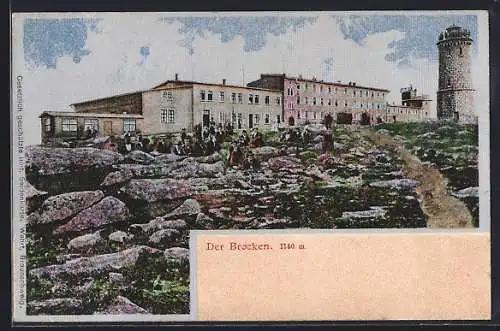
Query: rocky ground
x=450, y=148
x=108, y=233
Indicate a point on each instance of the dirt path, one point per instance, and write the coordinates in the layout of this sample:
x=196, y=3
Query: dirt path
x=443, y=210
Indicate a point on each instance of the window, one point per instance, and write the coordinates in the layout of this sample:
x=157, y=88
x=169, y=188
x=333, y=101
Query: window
x=298, y=100
x=266, y=99
x=372, y=94
x=167, y=95
x=278, y=100
x=167, y=116
x=329, y=89
x=69, y=125
x=256, y=99
x=171, y=116
x=210, y=96
x=91, y=123
x=314, y=100
x=47, y=125
x=222, y=117
x=321, y=88
x=266, y=119
x=163, y=116
x=354, y=92
x=307, y=114
x=221, y=96
x=240, y=97
x=314, y=87
x=345, y=90
x=202, y=95
x=250, y=98
x=321, y=101
x=233, y=97
x=256, y=118
x=345, y=104
x=298, y=86
x=329, y=102
x=335, y=90
x=298, y=115
x=336, y=103
x=278, y=118
x=129, y=125
x=366, y=93
x=314, y=115
x=307, y=100
x=461, y=51
x=449, y=81
x=307, y=86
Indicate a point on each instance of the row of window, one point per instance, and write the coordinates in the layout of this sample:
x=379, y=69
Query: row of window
x=237, y=97
x=314, y=101
x=335, y=90
x=71, y=124
x=406, y=111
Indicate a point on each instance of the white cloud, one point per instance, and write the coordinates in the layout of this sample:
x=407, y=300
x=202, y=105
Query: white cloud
x=113, y=66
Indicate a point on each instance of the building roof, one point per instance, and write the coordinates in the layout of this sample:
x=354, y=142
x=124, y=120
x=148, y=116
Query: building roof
x=91, y=115
x=323, y=82
x=187, y=82
x=110, y=97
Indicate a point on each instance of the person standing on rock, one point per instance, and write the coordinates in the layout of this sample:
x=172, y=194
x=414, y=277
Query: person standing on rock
x=328, y=143
x=328, y=121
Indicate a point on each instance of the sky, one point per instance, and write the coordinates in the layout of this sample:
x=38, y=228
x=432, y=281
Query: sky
x=70, y=57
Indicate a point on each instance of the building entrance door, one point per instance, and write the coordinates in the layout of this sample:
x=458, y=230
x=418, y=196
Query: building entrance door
x=250, y=121
x=206, y=118
x=108, y=128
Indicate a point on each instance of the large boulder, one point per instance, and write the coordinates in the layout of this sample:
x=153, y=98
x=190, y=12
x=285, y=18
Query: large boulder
x=403, y=184
x=117, y=177
x=189, y=207
x=63, y=206
x=93, y=266
x=58, y=170
x=34, y=197
x=155, y=197
x=469, y=192
x=164, y=238
x=154, y=170
x=152, y=190
x=158, y=223
x=189, y=168
x=264, y=153
x=85, y=241
x=139, y=157
x=55, y=306
x=176, y=254
x=107, y=211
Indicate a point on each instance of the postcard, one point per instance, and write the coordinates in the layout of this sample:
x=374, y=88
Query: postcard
x=201, y=166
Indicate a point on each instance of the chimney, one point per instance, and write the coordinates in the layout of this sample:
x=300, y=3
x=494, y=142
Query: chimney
x=223, y=81
x=176, y=76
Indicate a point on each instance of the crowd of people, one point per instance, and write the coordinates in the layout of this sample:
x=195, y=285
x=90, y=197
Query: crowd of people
x=205, y=140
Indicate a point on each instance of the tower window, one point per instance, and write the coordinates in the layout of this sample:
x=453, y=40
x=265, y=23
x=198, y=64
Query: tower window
x=449, y=82
x=461, y=51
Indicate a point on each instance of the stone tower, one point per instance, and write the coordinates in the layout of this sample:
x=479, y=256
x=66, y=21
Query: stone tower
x=455, y=95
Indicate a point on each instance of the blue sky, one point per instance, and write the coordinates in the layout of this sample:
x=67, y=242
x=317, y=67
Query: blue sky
x=67, y=58
x=47, y=39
